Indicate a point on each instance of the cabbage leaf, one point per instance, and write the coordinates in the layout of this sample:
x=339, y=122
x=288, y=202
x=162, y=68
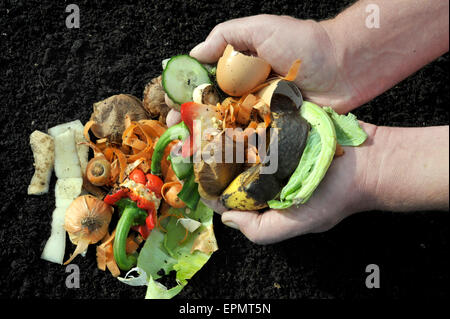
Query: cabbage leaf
x=327, y=129
x=168, y=251
x=348, y=131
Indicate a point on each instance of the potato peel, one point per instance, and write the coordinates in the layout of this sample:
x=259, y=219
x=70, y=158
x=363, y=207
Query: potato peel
x=43, y=148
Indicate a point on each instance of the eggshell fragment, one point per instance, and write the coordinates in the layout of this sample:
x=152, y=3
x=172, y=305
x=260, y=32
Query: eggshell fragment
x=190, y=224
x=238, y=74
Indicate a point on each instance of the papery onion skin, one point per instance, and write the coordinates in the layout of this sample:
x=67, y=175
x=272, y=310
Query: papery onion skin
x=86, y=221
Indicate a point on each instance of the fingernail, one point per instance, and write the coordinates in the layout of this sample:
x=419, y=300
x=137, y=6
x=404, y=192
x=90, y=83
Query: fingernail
x=197, y=48
x=231, y=224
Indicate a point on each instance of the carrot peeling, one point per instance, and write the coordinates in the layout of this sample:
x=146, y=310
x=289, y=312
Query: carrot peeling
x=293, y=71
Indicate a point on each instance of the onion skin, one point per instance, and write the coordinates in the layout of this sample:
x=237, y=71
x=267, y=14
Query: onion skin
x=86, y=221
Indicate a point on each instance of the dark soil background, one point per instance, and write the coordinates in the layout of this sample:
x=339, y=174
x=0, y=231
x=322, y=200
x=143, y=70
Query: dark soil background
x=50, y=75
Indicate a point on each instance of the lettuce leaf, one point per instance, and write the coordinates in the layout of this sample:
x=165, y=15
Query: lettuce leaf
x=165, y=252
x=306, y=164
x=328, y=127
x=155, y=290
x=348, y=131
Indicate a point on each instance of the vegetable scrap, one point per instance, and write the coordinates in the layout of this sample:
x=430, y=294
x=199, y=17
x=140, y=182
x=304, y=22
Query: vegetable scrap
x=86, y=222
x=43, y=147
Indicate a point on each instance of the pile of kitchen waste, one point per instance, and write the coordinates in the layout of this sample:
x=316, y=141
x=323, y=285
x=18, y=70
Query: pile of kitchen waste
x=128, y=181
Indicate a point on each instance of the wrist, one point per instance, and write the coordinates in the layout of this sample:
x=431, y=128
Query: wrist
x=366, y=165
x=406, y=169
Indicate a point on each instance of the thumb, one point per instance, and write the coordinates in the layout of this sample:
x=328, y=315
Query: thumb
x=208, y=51
x=231, y=32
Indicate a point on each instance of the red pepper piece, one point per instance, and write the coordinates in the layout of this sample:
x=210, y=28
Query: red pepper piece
x=138, y=176
x=112, y=199
x=154, y=184
x=190, y=112
x=143, y=230
x=149, y=222
x=142, y=202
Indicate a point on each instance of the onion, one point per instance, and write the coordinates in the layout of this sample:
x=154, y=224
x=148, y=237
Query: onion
x=86, y=222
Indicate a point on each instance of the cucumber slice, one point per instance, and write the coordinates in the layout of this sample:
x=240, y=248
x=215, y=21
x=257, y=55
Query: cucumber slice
x=181, y=76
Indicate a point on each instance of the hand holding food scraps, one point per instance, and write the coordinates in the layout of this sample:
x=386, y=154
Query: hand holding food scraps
x=309, y=138
x=290, y=220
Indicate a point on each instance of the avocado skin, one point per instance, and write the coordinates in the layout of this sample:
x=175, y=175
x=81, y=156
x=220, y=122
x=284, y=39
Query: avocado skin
x=293, y=132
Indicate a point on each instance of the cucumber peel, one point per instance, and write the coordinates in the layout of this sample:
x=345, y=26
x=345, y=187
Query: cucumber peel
x=181, y=75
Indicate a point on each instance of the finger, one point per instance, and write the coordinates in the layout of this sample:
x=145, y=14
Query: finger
x=265, y=228
x=234, y=32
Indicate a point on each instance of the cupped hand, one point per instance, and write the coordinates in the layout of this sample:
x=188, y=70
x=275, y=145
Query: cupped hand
x=341, y=193
x=280, y=40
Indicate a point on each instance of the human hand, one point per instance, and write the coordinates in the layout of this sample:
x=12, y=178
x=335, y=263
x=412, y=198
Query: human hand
x=344, y=191
x=280, y=40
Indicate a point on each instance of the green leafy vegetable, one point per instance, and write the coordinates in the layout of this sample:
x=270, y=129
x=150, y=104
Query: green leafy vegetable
x=319, y=120
x=182, y=167
x=348, y=131
x=276, y=204
x=307, y=163
x=164, y=252
x=155, y=290
x=189, y=193
x=327, y=128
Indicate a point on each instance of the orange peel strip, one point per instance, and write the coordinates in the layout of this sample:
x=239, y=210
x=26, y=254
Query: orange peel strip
x=109, y=154
x=153, y=128
x=172, y=197
x=86, y=129
x=293, y=71
x=184, y=238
